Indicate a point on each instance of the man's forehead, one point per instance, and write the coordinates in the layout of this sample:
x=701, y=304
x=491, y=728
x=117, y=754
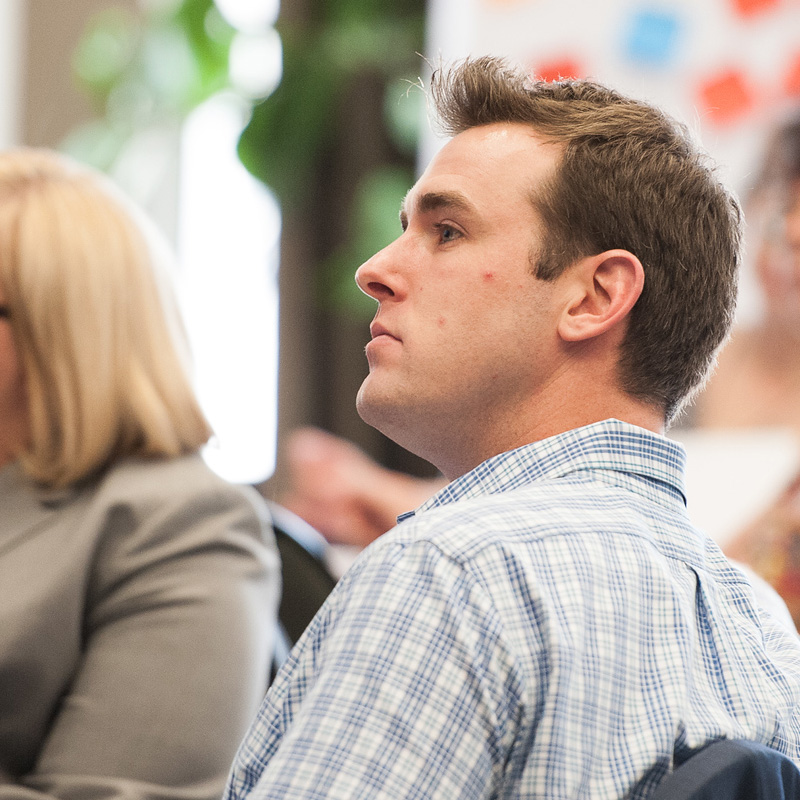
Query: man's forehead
x=489, y=159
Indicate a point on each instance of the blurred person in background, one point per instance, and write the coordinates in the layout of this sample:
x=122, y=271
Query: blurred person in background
x=139, y=590
x=347, y=496
x=757, y=382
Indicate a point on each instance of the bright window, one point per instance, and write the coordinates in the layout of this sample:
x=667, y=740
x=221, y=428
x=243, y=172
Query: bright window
x=228, y=231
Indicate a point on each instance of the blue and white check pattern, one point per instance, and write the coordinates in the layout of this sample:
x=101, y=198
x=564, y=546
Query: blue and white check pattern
x=549, y=625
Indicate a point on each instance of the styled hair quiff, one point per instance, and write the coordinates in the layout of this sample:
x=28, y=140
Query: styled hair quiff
x=629, y=177
x=94, y=321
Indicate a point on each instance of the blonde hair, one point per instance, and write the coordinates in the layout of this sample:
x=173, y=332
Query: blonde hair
x=94, y=320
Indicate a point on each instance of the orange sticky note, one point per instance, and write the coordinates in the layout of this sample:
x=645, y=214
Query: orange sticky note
x=727, y=96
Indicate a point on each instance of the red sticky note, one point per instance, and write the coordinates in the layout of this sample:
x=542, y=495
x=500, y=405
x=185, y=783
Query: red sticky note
x=726, y=97
x=747, y=8
x=791, y=83
x=557, y=69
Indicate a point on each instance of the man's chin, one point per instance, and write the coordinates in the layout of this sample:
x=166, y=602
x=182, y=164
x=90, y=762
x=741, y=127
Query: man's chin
x=379, y=410
x=370, y=408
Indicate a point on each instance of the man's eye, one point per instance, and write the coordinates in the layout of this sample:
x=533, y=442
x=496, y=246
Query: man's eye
x=447, y=233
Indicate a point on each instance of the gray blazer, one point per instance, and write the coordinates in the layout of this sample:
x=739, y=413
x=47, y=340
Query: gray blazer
x=136, y=626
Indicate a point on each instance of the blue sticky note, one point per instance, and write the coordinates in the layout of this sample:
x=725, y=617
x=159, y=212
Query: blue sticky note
x=652, y=37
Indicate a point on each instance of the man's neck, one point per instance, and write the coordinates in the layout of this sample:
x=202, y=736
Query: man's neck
x=457, y=460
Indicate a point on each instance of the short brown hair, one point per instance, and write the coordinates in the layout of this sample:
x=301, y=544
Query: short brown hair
x=629, y=177
x=94, y=320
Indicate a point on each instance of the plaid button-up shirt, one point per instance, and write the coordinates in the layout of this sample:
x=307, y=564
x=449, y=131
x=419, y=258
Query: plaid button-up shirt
x=550, y=625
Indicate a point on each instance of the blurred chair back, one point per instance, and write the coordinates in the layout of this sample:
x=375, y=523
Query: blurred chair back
x=732, y=770
x=306, y=579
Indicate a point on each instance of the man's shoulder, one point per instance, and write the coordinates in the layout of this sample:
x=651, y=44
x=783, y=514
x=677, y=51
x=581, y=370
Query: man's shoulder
x=536, y=512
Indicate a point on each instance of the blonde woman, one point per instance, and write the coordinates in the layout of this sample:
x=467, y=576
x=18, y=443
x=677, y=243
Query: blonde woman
x=138, y=591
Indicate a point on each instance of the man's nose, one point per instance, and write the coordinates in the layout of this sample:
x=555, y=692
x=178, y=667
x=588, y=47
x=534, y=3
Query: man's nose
x=376, y=278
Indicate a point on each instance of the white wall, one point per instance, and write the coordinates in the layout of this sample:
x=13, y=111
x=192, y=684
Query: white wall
x=10, y=59
x=667, y=52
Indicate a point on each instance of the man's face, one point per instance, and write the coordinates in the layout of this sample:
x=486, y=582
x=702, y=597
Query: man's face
x=464, y=334
x=778, y=257
x=793, y=226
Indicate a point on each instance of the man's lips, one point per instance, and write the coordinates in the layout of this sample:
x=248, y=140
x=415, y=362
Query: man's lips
x=382, y=338
x=376, y=330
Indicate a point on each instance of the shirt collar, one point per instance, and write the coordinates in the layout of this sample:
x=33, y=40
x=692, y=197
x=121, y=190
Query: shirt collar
x=643, y=461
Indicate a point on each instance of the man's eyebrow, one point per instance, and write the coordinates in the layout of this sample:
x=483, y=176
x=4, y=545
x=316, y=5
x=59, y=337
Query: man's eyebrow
x=434, y=201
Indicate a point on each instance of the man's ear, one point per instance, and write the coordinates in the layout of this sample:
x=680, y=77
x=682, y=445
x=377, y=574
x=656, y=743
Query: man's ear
x=600, y=292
